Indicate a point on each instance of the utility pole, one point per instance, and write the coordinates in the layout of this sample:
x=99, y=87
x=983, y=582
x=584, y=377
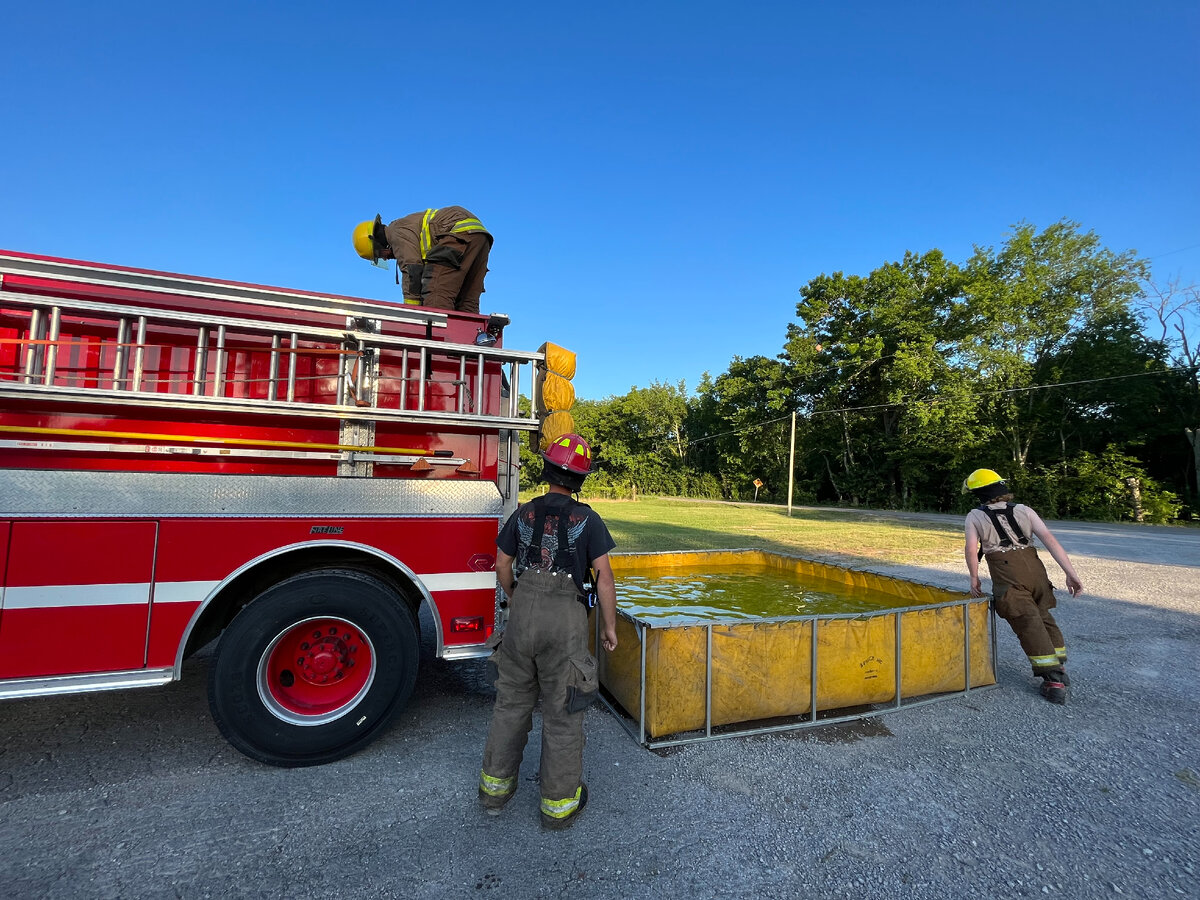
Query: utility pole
x=791, y=463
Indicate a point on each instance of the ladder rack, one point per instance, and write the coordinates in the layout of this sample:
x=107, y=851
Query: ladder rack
x=74, y=350
x=85, y=276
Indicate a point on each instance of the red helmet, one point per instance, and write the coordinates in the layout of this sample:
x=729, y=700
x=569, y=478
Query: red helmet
x=570, y=453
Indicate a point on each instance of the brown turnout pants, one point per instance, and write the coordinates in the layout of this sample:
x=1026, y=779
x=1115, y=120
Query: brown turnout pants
x=544, y=648
x=446, y=285
x=1024, y=597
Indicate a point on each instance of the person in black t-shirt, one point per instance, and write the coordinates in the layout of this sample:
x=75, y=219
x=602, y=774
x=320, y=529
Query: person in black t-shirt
x=552, y=563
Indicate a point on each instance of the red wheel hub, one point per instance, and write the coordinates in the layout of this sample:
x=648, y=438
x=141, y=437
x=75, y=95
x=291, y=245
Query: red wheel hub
x=316, y=670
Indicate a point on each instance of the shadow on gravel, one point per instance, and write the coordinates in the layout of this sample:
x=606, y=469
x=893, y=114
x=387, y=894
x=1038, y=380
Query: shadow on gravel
x=1122, y=651
x=839, y=733
x=843, y=733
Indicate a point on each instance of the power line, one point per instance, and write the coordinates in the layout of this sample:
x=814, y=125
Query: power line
x=980, y=395
x=1032, y=387
x=1173, y=252
x=710, y=437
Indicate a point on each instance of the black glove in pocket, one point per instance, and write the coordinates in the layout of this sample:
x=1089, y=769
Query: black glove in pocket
x=444, y=255
x=583, y=686
x=492, y=667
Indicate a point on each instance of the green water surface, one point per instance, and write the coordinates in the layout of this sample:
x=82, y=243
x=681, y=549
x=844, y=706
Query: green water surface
x=747, y=593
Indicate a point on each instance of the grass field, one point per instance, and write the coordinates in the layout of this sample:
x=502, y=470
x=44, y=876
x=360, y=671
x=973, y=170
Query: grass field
x=657, y=523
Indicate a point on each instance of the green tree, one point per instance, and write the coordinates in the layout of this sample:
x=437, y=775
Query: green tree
x=1172, y=311
x=736, y=430
x=1024, y=305
x=1113, y=391
x=639, y=438
x=872, y=363
x=1032, y=358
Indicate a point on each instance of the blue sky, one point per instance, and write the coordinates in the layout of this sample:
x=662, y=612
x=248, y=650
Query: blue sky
x=661, y=178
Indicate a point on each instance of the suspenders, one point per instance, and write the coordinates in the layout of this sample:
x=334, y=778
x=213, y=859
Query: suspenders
x=1005, y=541
x=564, y=555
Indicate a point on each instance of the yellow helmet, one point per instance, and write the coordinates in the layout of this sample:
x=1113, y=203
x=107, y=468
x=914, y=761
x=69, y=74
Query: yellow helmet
x=364, y=238
x=981, y=478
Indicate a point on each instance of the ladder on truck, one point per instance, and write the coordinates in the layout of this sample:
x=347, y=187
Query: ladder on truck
x=125, y=322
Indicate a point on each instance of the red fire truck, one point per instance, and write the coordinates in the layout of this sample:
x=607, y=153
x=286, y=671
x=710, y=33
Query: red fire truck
x=290, y=474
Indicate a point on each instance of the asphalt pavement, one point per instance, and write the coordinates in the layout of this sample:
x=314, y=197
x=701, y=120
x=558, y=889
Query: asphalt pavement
x=996, y=794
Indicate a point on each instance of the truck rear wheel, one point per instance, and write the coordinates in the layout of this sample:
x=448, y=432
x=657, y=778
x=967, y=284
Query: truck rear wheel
x=314, y=668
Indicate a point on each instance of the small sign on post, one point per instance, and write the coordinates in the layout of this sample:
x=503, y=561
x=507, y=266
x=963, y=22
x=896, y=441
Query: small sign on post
x=757, y=485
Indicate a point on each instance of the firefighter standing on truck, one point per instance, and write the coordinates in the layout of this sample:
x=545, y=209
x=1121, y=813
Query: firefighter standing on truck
x=999, y=531
x=442, y=255
x=544, y=553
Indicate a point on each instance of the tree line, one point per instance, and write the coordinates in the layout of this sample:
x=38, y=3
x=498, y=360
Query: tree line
x=1051, y=359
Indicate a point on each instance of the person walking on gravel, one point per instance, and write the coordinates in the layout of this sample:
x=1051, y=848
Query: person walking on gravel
x=999, y=531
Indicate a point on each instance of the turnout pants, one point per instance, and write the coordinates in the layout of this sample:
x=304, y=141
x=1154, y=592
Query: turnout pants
x=544, y=649
x=1024, y=597
x=454, y=270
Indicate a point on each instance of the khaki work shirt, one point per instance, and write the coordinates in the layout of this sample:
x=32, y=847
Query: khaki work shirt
x=989, y=540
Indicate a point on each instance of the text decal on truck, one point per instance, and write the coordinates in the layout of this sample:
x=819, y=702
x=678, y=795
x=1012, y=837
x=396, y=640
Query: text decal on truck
x=326, y=529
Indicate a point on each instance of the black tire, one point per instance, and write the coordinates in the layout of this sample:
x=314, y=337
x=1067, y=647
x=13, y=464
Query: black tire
x=314, y=668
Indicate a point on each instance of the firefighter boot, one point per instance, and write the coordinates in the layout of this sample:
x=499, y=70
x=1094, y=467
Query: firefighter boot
x=1054, y=687
x=494, y=793
x=556, y=822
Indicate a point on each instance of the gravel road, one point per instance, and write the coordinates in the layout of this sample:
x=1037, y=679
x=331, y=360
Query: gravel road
x=999, y=794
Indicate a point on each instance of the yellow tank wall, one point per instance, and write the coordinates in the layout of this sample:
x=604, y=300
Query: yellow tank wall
x=763, y=669
x=932, y=649
x=620, y=669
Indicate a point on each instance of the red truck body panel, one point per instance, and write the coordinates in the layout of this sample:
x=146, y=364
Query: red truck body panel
x=166, y=437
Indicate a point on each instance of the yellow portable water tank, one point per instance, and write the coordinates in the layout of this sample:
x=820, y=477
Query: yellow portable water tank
x=764, y=669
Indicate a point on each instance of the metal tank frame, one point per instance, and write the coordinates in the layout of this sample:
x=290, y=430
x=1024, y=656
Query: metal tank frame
x=636, y=726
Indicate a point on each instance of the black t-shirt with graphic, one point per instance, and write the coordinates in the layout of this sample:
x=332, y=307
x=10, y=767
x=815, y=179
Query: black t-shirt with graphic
x=587, y=536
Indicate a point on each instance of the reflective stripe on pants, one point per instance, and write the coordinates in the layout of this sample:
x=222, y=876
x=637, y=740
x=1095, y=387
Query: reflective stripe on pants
x=547, y=626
